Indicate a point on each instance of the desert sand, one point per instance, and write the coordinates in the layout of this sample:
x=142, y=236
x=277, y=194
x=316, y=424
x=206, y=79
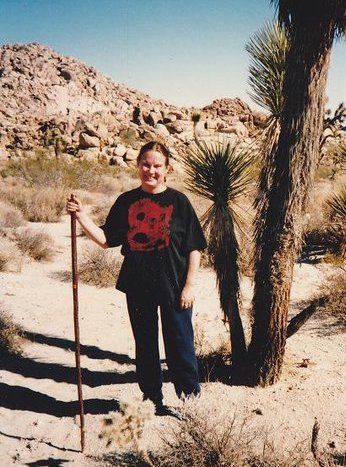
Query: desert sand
x=39, y=425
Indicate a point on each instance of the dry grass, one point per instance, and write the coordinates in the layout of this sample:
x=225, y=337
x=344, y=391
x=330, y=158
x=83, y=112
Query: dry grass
x=11, y=335
x=37, y=204
x=42, y=170
x=214, y=359
x=38, y=245
x=99, y=267
x=11, y=258
x=335, y=289
x=10, y=216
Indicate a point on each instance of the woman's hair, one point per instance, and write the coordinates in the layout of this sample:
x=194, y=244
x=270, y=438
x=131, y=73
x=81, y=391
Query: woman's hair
x=154, y=146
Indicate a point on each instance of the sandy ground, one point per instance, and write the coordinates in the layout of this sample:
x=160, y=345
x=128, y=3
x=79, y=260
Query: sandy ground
x=38, y=422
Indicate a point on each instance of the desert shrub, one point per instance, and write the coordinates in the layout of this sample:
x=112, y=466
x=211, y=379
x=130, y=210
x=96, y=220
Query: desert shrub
x=38, y=204
x=11, y=334
x=211, y=436
x=10, y=216
x=99, y=267
x=335, y=290
x=10, y=256
x=325, y=228
x=36, y=244
x=59, y=172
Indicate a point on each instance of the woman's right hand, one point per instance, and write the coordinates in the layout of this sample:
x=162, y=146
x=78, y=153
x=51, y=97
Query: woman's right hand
x=74, y=205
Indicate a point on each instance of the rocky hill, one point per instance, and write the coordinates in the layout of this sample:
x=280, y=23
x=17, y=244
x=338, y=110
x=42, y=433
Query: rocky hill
x=54, y=101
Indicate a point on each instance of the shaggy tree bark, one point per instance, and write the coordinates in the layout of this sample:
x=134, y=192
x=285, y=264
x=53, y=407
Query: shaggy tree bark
x=295, y=157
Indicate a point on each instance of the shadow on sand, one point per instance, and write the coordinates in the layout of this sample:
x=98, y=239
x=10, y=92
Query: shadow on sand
x=20, y=398
x=61, y=374
x=90, y=351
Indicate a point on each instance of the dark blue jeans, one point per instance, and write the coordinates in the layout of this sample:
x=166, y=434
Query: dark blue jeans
x=178, y=339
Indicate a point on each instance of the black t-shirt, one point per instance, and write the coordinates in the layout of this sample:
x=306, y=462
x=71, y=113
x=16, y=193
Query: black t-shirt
x=157, y=232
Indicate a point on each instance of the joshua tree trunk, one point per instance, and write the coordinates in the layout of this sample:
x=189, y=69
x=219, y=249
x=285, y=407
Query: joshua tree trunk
x=295, y=156
x=224, y=245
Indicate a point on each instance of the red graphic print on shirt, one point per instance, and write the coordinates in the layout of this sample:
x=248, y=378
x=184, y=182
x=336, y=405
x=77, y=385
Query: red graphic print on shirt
x=148, y=225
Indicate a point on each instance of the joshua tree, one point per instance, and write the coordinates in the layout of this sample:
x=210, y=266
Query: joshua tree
x=195, y=118
x=312, y=26
x=222, y=175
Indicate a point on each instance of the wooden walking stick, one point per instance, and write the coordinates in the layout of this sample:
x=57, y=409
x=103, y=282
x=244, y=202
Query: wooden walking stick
x=76, y=321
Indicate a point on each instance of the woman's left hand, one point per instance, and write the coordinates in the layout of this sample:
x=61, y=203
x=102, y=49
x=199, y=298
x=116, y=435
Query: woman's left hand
x=187, y=297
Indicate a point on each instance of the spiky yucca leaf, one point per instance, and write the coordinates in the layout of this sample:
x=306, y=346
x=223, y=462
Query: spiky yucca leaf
x=268, y=49
x=337, y=205
x=220, y=173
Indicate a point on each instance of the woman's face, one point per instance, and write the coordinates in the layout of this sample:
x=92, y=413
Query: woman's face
x=152, y=171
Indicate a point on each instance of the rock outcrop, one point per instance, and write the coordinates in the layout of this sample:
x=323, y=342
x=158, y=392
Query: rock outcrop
x=49, y=100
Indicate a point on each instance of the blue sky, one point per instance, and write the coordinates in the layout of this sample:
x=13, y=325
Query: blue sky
x=186, y=52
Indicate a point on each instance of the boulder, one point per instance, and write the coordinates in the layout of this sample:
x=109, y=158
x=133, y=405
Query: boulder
x=131, y=154
x=259, y=119
x=86, y=141
x=211, y=124
x=169, y=118
x=88, y=154
x=100, y=132
x=200, y=130
x=238, y=129
x=161, y=129
x=120, y=150
x=66, y=74
x=174, y=128
x=152, y=118
x=118, y=161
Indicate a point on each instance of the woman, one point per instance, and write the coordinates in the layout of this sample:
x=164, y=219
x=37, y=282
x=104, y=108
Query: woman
x=161, y=240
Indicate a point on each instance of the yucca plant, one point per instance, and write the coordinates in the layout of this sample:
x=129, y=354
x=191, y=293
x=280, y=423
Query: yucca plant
x=337, y=205
x=268, y=49
x=221, y=174
x=337, y=212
